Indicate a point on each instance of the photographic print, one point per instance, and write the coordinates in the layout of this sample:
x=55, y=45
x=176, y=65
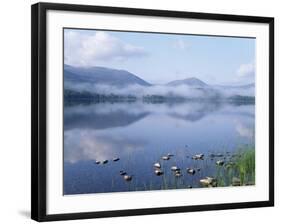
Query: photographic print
x=131, y=106
x=157, y=111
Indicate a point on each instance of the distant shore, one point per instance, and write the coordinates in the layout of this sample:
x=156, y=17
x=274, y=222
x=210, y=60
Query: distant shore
x=71, y=96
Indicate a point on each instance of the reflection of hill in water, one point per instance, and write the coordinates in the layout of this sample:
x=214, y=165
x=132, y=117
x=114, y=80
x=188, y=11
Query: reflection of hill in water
x=95, y=120
x=197, y=111
x=106, y=115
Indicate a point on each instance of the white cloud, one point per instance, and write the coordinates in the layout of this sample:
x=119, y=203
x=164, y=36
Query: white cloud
x=246, y=70
x=85, y=50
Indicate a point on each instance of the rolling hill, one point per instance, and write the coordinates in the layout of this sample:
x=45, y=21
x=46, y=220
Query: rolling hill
x=102, y=75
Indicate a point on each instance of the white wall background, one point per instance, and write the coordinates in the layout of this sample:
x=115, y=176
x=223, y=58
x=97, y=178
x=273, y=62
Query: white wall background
x=15, y=109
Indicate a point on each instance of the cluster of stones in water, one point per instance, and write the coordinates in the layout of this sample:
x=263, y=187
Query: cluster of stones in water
x=125, y=175
x=208, y=181
x=121, y=172
x=106, y=161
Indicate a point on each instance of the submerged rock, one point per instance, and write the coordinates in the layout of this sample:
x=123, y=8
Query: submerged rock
x=158, y=172
x=229, y=165
x=97, y=162
x=178, y=173
x=165, y=157
x=236, y=181
x=213, y=155
x=250, y=183
x=219, y=155
x=122, y=173
x=209, y=182
x=190, y=171
x=157, y=165
x=170, y=154
x=128, y=177
x=175, y=168
x=116, y=159
x=198, y=156
x=220, y=162
x=105, y=161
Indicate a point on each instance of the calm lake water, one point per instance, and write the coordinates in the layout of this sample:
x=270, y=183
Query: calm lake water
x=140, y=134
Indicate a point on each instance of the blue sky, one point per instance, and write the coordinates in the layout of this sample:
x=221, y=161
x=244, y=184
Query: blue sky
x=160, y=58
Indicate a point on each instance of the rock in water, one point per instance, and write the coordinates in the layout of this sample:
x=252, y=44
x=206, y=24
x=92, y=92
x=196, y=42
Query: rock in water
x=209, y=182
x=157, y=165
x=229, y=165
x=165, y=157
x=158, y=172
x=198, y=156
x=220, y=162
x=190, y=171
x=175, y=168
x=178, y=173
x=122, y=173
x=116, y=159
x=236, y=181
x=219, y=155
x=105, y=161
x=128, y=177
x=97, y=162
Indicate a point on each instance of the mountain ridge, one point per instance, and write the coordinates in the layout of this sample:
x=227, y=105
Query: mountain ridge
x=192, y=81
x=102, y=75
x=121, y=78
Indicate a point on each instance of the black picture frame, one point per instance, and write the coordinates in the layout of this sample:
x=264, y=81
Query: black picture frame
x=39, y=122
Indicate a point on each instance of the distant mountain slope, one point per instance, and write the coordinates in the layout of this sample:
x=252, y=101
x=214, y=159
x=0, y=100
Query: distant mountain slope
x=194, y=82
x=102, y=75
x=82, y=83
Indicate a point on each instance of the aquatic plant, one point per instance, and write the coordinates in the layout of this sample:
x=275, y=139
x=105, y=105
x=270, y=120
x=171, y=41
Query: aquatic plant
x=239, y=170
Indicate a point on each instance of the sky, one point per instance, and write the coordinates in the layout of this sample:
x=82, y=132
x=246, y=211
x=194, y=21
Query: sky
x=161, y=58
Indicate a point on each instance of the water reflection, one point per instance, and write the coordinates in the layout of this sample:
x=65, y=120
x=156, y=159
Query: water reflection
x=139, y=134
x=106, y=115
x=81, y=144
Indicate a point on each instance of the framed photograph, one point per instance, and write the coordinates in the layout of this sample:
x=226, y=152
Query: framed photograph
x=140, y=111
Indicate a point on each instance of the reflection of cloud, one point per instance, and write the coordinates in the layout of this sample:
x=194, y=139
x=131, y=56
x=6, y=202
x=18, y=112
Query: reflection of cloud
x=83, y=49
x=246, y=70
x=87, y=145
x=244, y=131
x=196, y=111
x=247, y=111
